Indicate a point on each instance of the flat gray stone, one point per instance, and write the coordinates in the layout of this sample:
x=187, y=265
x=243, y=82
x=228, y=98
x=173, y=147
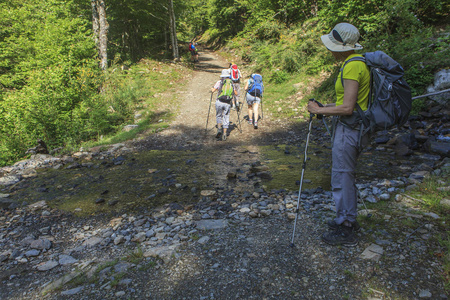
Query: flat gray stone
x=66, y=260
x=203, y=240
x=163, y=252
x=211, y=224
x=48, y=265
x=32, y=253
x=373, y=252
x=73, y=291
x=92, y=242
x=41, y=244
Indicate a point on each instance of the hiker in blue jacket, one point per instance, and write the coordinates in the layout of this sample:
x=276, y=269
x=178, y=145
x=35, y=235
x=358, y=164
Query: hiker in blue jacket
x=194, y=52
x=254, y=88
x=353, y=90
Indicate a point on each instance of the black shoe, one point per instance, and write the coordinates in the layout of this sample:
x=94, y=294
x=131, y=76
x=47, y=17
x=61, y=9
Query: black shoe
x=343, y=235
x=224, y=137
x=332, y=225
x=219, y=133
x=255, y=125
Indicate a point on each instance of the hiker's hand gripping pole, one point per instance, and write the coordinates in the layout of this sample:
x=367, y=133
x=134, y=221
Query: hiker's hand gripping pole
x=320, y=105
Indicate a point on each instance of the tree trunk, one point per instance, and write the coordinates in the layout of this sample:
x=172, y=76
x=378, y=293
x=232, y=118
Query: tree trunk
x=173, y=31
x=103, y=35
x=95, y=22
x=100, y=27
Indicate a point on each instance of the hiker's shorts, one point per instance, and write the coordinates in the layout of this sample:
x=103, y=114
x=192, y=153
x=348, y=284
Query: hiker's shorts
x=252, y=99
x=345, y=153
x=223, y=113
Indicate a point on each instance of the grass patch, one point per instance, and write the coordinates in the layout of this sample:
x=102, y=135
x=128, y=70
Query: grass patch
x=145, y=96
x=135, y=257
x=430, y=193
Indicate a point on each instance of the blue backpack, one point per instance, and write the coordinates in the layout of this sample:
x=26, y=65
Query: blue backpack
x=256, y=87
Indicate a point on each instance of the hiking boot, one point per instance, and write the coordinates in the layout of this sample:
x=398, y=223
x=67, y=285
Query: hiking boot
x=332, y=225
x=343, y=235
x=224, y=137
x=219, y=133
x=256, y=125
x=250, y=121
x=233, y=107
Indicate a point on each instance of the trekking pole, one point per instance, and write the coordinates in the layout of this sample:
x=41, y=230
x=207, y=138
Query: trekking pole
x=239, y=119
x=210, y=100
x=311, y=116
x=262, y=114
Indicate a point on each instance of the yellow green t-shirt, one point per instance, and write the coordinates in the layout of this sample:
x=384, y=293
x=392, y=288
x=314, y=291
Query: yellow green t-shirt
x=359, y=71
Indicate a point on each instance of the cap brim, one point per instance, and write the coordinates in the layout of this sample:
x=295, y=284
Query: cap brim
x=338, y=47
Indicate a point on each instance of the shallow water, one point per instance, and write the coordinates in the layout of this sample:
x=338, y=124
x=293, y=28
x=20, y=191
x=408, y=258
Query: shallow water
x=145, y=180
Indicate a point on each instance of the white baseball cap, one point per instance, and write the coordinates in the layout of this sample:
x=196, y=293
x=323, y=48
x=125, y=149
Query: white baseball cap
x=343, y=37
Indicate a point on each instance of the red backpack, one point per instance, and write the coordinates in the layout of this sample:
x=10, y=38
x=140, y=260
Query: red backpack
x=235, y=74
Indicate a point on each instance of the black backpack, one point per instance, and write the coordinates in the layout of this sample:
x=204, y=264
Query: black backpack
x=390, y=98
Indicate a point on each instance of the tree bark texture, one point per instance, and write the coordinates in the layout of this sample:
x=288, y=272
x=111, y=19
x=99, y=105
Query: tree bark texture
x=173, y=31
x=100, y=26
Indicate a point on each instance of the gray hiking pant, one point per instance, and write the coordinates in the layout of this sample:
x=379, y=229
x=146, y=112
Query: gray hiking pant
x=223, y=113
x=345, y=153
x=252, y=99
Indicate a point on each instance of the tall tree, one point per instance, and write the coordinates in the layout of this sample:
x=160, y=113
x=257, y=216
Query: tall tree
x=173, y=30
x=100, y=27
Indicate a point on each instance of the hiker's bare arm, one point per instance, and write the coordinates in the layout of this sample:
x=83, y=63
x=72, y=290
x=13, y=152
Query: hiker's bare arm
x=350, y=98
x=213, y=90
x=246, y=87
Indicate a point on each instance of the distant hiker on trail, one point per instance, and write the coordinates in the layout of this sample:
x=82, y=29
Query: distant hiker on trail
x=225, y=96
x=254, y=88
x=236, y=75
x=194, y=52
x=342, y=41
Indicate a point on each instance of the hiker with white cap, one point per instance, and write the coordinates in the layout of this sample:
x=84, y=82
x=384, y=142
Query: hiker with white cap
x=352, y=91
x=225, y=95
